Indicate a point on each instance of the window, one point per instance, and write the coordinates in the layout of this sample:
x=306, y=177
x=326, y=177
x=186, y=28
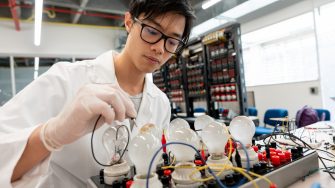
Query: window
x=281, y=53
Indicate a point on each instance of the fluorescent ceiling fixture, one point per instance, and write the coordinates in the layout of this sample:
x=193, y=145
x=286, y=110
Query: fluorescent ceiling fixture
x=209, y=3
x=38, y=21
x=246, y=7
x=207, y=26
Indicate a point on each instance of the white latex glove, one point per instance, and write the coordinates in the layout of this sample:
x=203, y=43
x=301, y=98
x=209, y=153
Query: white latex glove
x=78, y=118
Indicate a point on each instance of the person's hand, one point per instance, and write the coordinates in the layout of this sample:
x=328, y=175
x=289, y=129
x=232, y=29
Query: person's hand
x=79, y=117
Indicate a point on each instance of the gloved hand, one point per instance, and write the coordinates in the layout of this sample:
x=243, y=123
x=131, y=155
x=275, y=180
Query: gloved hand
x=79, y=117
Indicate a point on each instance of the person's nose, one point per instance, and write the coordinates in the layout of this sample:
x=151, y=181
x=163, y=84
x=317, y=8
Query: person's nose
x=159, y=46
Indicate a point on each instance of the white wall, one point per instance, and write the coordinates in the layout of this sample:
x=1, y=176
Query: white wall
x=58, y=40
x=292, y=96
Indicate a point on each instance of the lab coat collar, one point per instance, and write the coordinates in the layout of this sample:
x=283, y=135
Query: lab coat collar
x=104, y=72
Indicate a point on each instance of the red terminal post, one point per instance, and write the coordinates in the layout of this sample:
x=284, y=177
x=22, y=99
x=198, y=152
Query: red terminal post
x=167, y=172
x=260, y=156
x=272, y=153
x=163, y=141
x=275, y=160
x=129, y=183
x=288, y=155
x=273, y=185
x=255, y=148
x=264, y=157
x=278, y=151
x=282, y=158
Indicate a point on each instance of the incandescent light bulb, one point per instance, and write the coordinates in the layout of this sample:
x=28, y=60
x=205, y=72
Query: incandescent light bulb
x=242, y=129
x=215, y=136
x=114, y=140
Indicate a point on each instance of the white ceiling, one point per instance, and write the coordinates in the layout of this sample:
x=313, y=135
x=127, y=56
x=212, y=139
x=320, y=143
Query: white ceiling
x=110, y=12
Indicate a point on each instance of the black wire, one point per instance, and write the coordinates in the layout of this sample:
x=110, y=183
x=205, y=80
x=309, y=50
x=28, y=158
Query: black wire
x=327, y=159
x=307, y=145
x=92, y=150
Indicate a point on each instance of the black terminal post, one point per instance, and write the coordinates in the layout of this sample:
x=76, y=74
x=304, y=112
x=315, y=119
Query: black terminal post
x=238, y=159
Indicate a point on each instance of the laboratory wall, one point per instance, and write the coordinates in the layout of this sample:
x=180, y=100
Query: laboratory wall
x=58, y=40
x=291, y=96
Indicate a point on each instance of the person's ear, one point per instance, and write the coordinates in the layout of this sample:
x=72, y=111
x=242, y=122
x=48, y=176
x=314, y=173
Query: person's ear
x=128, y=21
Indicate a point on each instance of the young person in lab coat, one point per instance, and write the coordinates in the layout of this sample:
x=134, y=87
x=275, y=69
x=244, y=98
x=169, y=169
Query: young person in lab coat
x=44, y=140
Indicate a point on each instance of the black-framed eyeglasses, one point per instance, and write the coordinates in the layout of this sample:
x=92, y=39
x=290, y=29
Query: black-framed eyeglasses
x=152, y=35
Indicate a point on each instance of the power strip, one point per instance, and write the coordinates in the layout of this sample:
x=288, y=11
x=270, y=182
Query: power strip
x=290, y=173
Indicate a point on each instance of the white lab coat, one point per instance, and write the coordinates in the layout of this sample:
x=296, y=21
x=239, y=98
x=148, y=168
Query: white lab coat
x=44, y=98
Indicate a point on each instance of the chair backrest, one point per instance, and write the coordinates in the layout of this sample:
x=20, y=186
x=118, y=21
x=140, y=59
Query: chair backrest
x=252, y=111
x=200, y=109
x=274, y=113
x=323, y=114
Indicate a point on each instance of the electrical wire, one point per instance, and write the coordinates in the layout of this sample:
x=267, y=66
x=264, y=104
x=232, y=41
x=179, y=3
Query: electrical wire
x=306, y=145
x=92, y=149
x=185, y=144
x=225, y=167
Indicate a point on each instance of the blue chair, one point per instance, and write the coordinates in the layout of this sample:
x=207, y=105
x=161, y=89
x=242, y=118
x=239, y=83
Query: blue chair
x=321, y=112
x=271, y=113
x=199, y=110
x=252, y=111
x=274, y=113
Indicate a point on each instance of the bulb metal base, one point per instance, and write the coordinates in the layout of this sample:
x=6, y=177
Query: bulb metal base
x=181, y=174
x=116, y=172
x=217, y=165
x=140, y=181
x=253, y=157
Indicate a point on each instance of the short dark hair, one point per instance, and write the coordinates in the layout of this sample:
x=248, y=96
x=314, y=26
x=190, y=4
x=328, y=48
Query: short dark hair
x=155, y=8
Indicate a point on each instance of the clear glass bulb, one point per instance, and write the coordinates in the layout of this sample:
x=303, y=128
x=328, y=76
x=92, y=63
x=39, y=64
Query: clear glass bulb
x=114, y=140
x=215, y=136
x=184, y=135
x=242, y=129
x=142, y=149
x=201, y=121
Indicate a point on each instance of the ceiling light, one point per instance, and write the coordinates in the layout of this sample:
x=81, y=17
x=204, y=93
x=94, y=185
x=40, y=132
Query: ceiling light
x=209, y=3
x=208, y=25
x=246, y=8
x=38, y=21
